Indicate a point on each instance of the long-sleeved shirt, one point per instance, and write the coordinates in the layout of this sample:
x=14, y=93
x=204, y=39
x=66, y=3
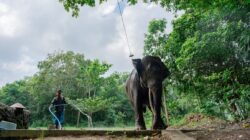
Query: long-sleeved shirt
x=58, y=102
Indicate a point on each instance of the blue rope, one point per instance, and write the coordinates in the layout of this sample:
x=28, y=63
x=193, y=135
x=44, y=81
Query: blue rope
x=59, y=123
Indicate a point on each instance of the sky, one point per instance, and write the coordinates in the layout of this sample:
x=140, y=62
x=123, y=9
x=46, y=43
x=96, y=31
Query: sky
x=32, y=29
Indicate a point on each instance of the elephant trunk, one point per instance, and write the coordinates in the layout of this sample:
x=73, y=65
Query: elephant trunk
x=155, y=99
x=150, y=101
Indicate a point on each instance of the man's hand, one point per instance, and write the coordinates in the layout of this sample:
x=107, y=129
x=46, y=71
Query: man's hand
x=50, y=106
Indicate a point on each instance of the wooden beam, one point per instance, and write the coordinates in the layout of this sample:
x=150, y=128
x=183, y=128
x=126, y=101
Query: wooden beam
x=57, y=133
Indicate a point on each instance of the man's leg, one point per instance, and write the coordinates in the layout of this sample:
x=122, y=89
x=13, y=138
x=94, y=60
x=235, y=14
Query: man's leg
x=61, y=118
x=56, y=120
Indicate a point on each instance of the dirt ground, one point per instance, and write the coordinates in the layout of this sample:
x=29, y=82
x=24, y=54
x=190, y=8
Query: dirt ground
x=195, y=127
x=223, y=134
x=226, y=134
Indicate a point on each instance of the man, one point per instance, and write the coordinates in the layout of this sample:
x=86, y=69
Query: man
x=59, y=102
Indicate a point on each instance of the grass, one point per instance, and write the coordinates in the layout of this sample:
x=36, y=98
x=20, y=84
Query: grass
x=86, y=128
x=191, y=121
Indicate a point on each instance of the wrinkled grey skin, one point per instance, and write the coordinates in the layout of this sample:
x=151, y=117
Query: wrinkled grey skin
x=146, y=78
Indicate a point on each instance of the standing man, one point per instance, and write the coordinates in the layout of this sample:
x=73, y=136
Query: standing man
x=59, y=102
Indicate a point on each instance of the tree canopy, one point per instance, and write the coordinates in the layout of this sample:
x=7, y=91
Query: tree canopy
x=170, y=5
x=82, y=83
x=208, y=54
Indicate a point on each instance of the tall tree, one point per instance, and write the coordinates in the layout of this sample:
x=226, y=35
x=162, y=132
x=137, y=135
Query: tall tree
x=156, y=38
x=16, y=92
x=91, y=75
x=172, y=5
x=208, y=55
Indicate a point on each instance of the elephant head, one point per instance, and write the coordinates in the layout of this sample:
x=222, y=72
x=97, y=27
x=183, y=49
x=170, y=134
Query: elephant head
x=152, y=72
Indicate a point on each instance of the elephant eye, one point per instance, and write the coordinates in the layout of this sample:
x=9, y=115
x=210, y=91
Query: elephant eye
x=154, y=69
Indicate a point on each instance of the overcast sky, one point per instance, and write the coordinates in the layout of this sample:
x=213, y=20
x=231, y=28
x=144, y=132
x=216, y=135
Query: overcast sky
x=31, y=29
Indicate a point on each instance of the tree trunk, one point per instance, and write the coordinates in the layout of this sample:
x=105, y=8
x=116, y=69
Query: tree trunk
x=78, y=119
x=90, y=123
x=89, y=92
x=94, y=92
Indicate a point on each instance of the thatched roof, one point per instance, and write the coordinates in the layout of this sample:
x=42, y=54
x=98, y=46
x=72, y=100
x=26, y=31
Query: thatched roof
x=17, y=105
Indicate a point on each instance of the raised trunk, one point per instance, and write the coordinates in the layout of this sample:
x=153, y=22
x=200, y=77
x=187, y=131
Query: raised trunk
x=156, y=105
x=157, y=95
x=150, y=101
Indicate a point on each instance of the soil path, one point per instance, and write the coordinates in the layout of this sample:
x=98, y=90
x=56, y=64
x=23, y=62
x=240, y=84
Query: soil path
x=223, y=134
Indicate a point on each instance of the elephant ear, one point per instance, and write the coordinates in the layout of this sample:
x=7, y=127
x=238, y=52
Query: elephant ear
x=166, y=72
x=138, y=66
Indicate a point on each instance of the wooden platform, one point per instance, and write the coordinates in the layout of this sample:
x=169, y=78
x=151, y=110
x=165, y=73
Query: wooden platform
x=27, y=134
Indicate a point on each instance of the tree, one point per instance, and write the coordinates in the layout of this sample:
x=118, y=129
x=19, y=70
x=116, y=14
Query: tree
x=208, y=56
x=156, y=38
x=82, y=81
x=91, y=105
x=15, y=92
x=90, y=76
x=172, y=5
x=121, y=112
x=59, y=71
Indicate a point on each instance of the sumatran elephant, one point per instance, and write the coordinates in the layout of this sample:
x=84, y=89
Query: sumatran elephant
x=144, y=89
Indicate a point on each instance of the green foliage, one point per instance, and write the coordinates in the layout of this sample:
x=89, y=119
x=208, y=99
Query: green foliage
x=156, y=38
x=208, y=55
x=73, y=6
x=16, y=92
x=82, y=83
x=90, y=76
x=92, y=104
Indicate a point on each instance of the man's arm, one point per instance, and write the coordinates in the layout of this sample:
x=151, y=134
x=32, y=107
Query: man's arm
x=64, y=101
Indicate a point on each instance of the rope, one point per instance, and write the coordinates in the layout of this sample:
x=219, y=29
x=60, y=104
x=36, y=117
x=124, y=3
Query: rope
x=125, y=31
x=59, y=123
x=89, y=118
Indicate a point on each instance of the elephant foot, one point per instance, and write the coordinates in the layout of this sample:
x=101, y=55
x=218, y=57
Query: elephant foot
x=140, y=127
x=159, y=125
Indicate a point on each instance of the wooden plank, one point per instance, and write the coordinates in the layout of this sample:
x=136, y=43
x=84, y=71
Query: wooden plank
x=57, y=133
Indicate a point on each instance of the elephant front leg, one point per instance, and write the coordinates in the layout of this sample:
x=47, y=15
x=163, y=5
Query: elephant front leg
x=156, y=104
x=139, y=120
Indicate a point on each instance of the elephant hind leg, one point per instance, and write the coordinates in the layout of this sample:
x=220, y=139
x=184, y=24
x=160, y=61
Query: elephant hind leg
x=159, y=125
x=144, y=107
x=139, y=119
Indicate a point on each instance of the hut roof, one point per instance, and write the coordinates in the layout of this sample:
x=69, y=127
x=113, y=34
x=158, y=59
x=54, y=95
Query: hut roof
x=17, y=105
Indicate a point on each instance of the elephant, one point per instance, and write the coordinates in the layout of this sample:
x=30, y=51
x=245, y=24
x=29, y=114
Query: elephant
x=144, y=89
